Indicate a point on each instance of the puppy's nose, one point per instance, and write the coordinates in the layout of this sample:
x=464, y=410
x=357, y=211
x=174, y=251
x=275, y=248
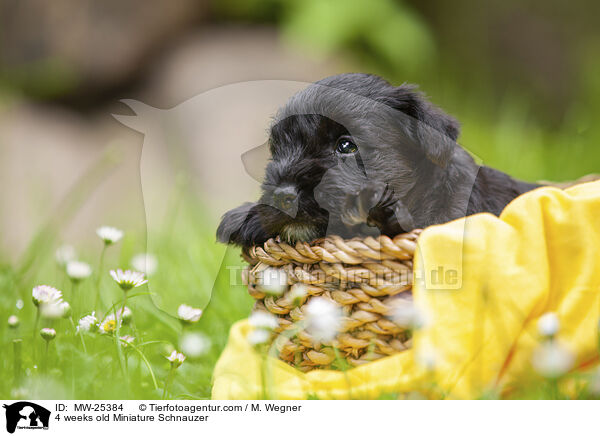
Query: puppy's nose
x=284, y=198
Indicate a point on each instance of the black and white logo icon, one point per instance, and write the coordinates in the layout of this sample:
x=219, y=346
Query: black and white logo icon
x=26, y=415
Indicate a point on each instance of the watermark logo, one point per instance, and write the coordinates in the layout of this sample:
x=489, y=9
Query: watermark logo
x=26, y=415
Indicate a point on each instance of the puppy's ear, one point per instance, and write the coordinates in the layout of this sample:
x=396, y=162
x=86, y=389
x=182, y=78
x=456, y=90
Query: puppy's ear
x=435, y=131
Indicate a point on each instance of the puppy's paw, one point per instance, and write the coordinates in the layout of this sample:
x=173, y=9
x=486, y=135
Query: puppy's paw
x=359, y=206
x=242, y=226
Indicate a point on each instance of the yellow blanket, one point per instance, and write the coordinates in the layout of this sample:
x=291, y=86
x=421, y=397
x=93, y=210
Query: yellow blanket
x=484, y=283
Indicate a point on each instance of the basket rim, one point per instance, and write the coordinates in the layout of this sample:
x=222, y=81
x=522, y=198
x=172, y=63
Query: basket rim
x=334, y=249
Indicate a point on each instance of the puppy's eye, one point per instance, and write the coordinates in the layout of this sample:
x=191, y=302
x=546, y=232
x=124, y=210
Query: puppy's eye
x=346, y=146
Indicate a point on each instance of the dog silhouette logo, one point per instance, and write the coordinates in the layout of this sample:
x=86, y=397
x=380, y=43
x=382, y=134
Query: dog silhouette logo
x=26, y=415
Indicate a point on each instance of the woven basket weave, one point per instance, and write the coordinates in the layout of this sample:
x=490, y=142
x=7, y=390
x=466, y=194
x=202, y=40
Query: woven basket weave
x=366, y=277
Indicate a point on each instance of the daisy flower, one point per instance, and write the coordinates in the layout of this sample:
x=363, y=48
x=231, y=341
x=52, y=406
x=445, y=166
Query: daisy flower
x=48, y=334
x=548, y=325
x=65, y=254
x=128, y=279
x=108, y=324
x=407, y=315
x=194, y=344
x=552, y=360
x=297, y=293
x=176, y=359
x=145, y=262
x=188, y=314
x=273, y=281
x=427, y=357
x=324, y=319
x=258, y=337
x=88, y=323
x=263, y=320
x=78, y=271
x=127, y=339
x=13, y=321
x=110, y=235
x=125, y=315
x=45, y=294
x=55, y=310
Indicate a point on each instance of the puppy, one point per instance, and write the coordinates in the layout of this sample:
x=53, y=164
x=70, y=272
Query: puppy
x=353, y=155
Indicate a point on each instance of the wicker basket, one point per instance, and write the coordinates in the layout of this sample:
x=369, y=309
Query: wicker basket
x=366, y=277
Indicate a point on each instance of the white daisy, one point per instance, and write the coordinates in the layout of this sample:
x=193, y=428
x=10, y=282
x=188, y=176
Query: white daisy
x=272, y=281
x=125, y=315
x=66, y=309
x=19, y=304
x=45, y=294
x=13, y=321
x=407, y=315
x=127, y=339
x=176, y=359
x=77, y=270
x=427, y=357
x=110, y=235
x=259, y=336
x=194, y=344
x=65, y=254
x=108, y=325
x=145, y=262
x=128, y=279
x=297, y=293
x=548, y=324
x=188, y=314
x=323, y=318
x=88, y=323
x=552, y=360
x=263, y=320
x=55, y=310
x=48, y=334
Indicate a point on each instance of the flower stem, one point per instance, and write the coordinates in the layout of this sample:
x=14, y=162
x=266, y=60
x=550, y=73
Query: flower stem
x=123, y=306
x=78, y=333
x=75, y=296
x=45, y=370
x=17, y=343
x=342, y=364
x=263, y=375
x=119, y=337
x=117, y=341
x=99, y=277
x=168, y=381
x=148, y=366
x=35, y=328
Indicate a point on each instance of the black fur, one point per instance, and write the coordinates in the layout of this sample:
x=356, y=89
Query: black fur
x=408, y=172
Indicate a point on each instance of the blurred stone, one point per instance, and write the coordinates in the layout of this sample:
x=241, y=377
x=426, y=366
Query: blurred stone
x=78, y=49
x=216, y=56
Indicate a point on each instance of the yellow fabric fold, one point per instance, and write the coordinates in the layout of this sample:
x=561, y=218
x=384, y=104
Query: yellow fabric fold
x=483, y=282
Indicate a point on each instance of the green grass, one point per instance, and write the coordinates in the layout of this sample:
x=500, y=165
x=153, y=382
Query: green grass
x=69, y=372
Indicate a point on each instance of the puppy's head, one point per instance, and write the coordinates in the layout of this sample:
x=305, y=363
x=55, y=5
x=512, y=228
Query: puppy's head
x=334, y=137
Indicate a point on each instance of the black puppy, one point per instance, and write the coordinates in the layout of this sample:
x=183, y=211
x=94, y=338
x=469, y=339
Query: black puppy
x=353, y=155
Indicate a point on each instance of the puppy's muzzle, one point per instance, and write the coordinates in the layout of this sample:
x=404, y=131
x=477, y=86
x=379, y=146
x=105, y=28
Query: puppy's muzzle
x=285, y=198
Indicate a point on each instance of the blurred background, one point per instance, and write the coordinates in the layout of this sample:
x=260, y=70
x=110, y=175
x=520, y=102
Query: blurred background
x=522, y=78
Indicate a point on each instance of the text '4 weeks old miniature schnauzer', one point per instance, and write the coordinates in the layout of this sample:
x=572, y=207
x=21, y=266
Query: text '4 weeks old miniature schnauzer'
x=352, y=155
